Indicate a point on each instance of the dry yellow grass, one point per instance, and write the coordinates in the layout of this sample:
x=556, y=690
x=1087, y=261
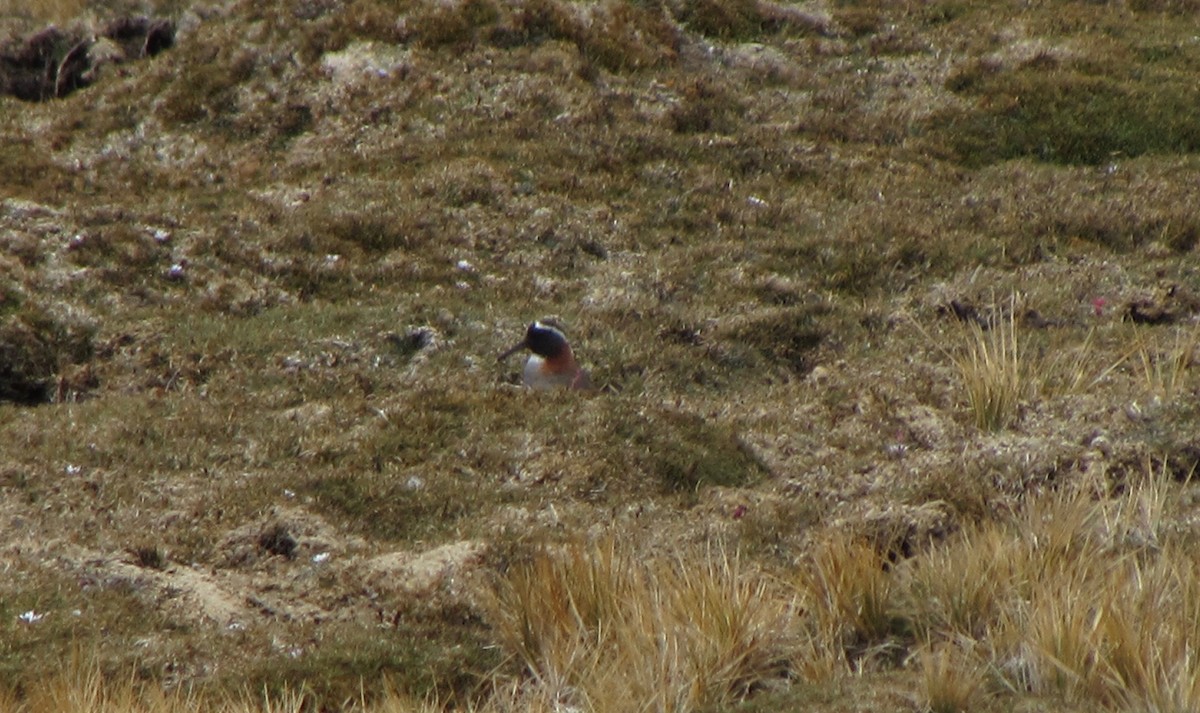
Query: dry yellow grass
x=1081, y=597
x=81, y=687
x=599, y=627
x=953, y=679
x=995, y=372
x=848, y=600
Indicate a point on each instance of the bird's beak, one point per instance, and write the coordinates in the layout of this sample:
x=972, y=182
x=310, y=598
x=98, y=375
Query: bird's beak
x=516, y=348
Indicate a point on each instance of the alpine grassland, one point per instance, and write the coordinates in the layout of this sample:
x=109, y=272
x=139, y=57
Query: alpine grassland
x=892, y=307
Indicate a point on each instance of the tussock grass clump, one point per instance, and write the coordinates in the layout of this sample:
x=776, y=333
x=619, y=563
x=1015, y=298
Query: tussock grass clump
x=1076, y=597
x=995, y=372
x=969, y=603
x=1078, y=368
x=601, y=627
x=1079, y=597
x=1123, y=637
x=952, y=679
x=850, y=601
x=81, y=686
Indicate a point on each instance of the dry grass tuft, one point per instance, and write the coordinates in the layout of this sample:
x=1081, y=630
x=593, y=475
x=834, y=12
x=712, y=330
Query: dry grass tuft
x=1081, y=597
x=849, y=598
x=952, y=679
x=600, y=628
x=959, y=590
x=1122, y=637
x=82, y=687
x=994, y=373
x=1078, y=597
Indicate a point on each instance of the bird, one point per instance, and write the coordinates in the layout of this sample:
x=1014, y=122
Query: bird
x=552, y=364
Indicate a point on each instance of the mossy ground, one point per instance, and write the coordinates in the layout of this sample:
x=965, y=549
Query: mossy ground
x=259, y=281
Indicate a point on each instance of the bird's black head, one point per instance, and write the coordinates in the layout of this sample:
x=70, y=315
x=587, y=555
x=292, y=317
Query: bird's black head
x=545, y=340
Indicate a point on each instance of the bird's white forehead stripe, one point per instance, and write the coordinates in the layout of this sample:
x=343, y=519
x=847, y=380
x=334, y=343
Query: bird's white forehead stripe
x=548, y=328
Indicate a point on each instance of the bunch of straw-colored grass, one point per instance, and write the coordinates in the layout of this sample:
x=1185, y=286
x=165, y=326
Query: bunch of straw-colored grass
x=601, y=628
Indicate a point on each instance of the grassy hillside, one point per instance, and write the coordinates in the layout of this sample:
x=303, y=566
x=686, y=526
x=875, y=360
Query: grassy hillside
x=894, y=306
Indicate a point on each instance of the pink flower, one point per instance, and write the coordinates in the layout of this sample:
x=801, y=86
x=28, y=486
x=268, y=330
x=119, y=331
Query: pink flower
x=1098, y=306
